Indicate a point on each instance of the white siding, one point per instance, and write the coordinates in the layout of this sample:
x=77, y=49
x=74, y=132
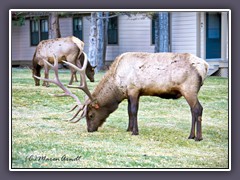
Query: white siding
x=184, y=32
x=21, y=48
x=202, y=35
x=133, y=35
x=66, y=26
x=86, y=32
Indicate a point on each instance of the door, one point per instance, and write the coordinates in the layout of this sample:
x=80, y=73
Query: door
x=213, y=35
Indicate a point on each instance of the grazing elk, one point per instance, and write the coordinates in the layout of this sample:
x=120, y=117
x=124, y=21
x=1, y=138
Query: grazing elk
x=68, y=48
x=135, y=74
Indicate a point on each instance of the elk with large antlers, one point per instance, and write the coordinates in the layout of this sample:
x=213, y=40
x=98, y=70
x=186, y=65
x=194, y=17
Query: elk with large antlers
x=67, y=48
x=166, y=75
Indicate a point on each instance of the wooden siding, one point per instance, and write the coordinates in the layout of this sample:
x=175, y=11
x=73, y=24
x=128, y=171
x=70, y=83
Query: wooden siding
x=86, y=32
x=21, y=48
x=134, y=34
x=184, y=32
x=202, y=35
x=66, y=26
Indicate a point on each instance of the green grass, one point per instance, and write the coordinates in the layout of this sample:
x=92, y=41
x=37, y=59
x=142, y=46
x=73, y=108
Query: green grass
x=38, y=130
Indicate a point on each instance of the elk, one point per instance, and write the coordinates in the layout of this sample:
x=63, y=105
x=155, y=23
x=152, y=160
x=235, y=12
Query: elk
x=135, y=74
x=68, y=48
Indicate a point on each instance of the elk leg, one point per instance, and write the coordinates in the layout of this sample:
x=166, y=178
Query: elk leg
x=199, y=122
x=192, y=133
x=73, y=74
x=196, y=110
x=46, y=74
x=130, y=122
x=132, y=110
x=36, y=72
x=197, y=115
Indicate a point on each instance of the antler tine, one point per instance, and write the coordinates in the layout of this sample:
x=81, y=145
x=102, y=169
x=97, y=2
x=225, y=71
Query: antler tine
x=67, y=92
x=83, y=84
x=82, y=115
x=56, y=81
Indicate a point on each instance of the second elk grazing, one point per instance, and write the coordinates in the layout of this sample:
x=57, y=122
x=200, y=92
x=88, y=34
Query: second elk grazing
x=68, y=48
x=135, y=74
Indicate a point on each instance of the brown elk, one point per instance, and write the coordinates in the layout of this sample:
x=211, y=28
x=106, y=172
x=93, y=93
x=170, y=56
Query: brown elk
x=135, y=74
x=68, y=48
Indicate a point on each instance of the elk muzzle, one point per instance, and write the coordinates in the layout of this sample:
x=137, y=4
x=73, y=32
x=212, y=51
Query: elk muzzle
x=92, y=129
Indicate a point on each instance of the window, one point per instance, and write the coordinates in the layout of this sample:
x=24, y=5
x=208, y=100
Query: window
x=39, y=31
x=213, y=35
x=153, y=31
x=113, y=31
x=78, y=27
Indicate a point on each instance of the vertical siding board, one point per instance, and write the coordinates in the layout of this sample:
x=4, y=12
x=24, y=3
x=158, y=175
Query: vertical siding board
x=66, y=27
x=134, y=34
x=21, y=48
x=86, y=32
x=184, y=32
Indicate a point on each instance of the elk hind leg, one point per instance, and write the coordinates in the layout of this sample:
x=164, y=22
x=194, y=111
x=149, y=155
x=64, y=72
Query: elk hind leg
x=196, y=111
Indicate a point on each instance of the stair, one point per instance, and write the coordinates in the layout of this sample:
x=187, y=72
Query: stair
x=213, y=69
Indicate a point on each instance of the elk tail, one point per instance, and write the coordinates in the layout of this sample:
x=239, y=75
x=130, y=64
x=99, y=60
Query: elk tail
x=79, y=44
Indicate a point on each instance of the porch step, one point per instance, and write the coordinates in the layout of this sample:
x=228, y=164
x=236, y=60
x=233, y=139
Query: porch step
x=213, y=69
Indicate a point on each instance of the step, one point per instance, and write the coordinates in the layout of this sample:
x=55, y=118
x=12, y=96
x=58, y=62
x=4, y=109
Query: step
x=213, y=69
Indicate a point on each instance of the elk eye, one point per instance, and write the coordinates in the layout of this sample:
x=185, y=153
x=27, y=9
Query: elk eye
x=91, y=116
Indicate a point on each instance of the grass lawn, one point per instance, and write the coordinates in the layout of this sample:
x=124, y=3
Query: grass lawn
x=41, y=139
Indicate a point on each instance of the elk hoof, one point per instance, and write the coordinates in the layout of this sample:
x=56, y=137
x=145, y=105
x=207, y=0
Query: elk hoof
x=191, y=137
x=198, y=139
x=135, y=133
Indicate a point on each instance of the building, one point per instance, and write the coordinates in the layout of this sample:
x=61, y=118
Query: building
x=204, y=34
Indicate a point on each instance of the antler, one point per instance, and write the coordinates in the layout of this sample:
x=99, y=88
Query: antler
x=83, y=86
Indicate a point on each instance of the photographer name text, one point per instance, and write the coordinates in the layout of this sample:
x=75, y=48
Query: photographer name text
x=46, y=158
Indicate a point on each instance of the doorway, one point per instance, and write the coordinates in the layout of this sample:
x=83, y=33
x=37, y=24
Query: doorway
x=213, y=35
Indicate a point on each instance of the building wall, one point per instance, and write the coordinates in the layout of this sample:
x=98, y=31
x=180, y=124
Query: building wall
x=134, y=34
x=66, y=26
x=187, y=34
x=21, y=49
x=184, y=32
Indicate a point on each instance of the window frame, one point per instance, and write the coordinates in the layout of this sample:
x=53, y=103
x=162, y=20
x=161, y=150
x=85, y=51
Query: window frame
x=117, y=32
x=152, y=31
x=40, y=34
x=73, y=27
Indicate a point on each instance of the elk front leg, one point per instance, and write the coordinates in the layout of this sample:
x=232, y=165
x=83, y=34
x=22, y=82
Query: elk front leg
x=130, y=121
x=133, y=103
x=46, y=75
x=73, y=76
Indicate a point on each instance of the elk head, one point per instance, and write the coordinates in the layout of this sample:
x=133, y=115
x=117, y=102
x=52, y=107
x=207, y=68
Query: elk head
x=95, y=115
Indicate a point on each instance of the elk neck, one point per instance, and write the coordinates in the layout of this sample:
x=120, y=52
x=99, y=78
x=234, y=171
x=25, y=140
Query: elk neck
x=107, y=93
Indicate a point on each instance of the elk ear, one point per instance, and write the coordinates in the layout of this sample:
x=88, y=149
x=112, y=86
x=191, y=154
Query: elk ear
x=94, y=67
x=95, y=105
